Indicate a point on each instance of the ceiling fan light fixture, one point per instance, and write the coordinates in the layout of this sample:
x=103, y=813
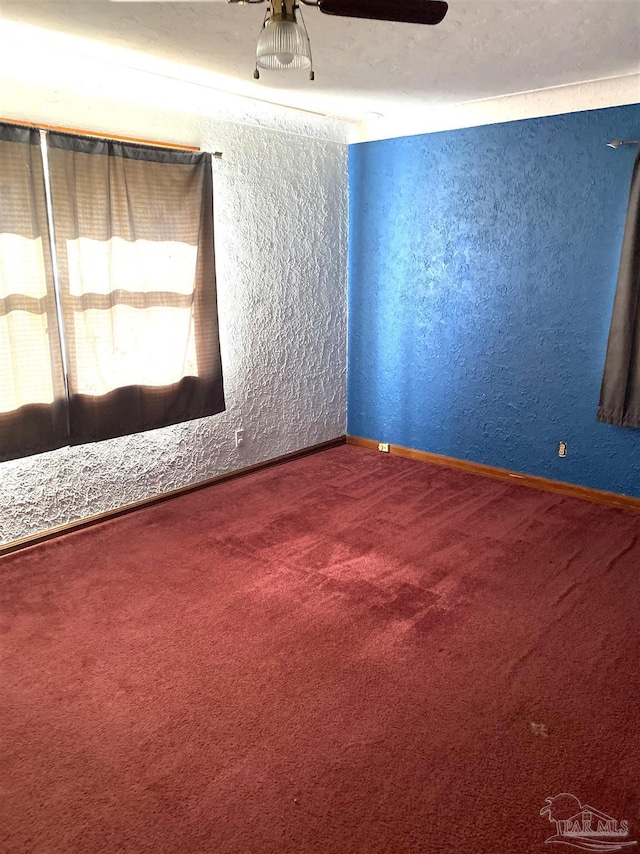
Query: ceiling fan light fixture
x=283, y=43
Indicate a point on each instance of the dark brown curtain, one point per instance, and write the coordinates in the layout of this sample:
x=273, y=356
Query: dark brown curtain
x=33, y=406
x=620, y=393
x=134, y=236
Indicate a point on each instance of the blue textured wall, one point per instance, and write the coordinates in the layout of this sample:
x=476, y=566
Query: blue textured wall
x=482, y=272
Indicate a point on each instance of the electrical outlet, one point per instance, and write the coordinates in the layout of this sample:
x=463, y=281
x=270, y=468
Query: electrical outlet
x=239, y=438
x=384, y=447
x=562, y=449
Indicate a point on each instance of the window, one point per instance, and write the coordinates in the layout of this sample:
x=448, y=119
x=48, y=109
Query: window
x=108, y=318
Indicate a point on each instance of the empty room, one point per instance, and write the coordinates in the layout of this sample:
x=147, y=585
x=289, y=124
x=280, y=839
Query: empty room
x=319, y=426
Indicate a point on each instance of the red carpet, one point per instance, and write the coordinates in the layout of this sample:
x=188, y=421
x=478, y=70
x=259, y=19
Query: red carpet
x=347, y=654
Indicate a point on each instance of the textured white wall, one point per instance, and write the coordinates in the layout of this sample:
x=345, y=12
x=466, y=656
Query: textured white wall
x=281, y=250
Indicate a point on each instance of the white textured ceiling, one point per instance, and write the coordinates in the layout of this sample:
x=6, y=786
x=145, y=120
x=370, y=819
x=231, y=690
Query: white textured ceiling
x=483, y=49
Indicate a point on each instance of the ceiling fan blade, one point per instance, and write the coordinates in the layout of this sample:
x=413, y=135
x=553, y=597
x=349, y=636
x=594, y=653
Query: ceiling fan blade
x=405, y=11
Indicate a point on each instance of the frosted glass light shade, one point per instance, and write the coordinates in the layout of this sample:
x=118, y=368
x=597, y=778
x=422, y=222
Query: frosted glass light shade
x=283, y=44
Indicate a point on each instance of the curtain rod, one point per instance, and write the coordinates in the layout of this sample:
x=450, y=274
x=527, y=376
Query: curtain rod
x=616, y=143
x=79, y=132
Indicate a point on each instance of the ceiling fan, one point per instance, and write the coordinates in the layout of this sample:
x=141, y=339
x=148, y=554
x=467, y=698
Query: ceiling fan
x=284, y=43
